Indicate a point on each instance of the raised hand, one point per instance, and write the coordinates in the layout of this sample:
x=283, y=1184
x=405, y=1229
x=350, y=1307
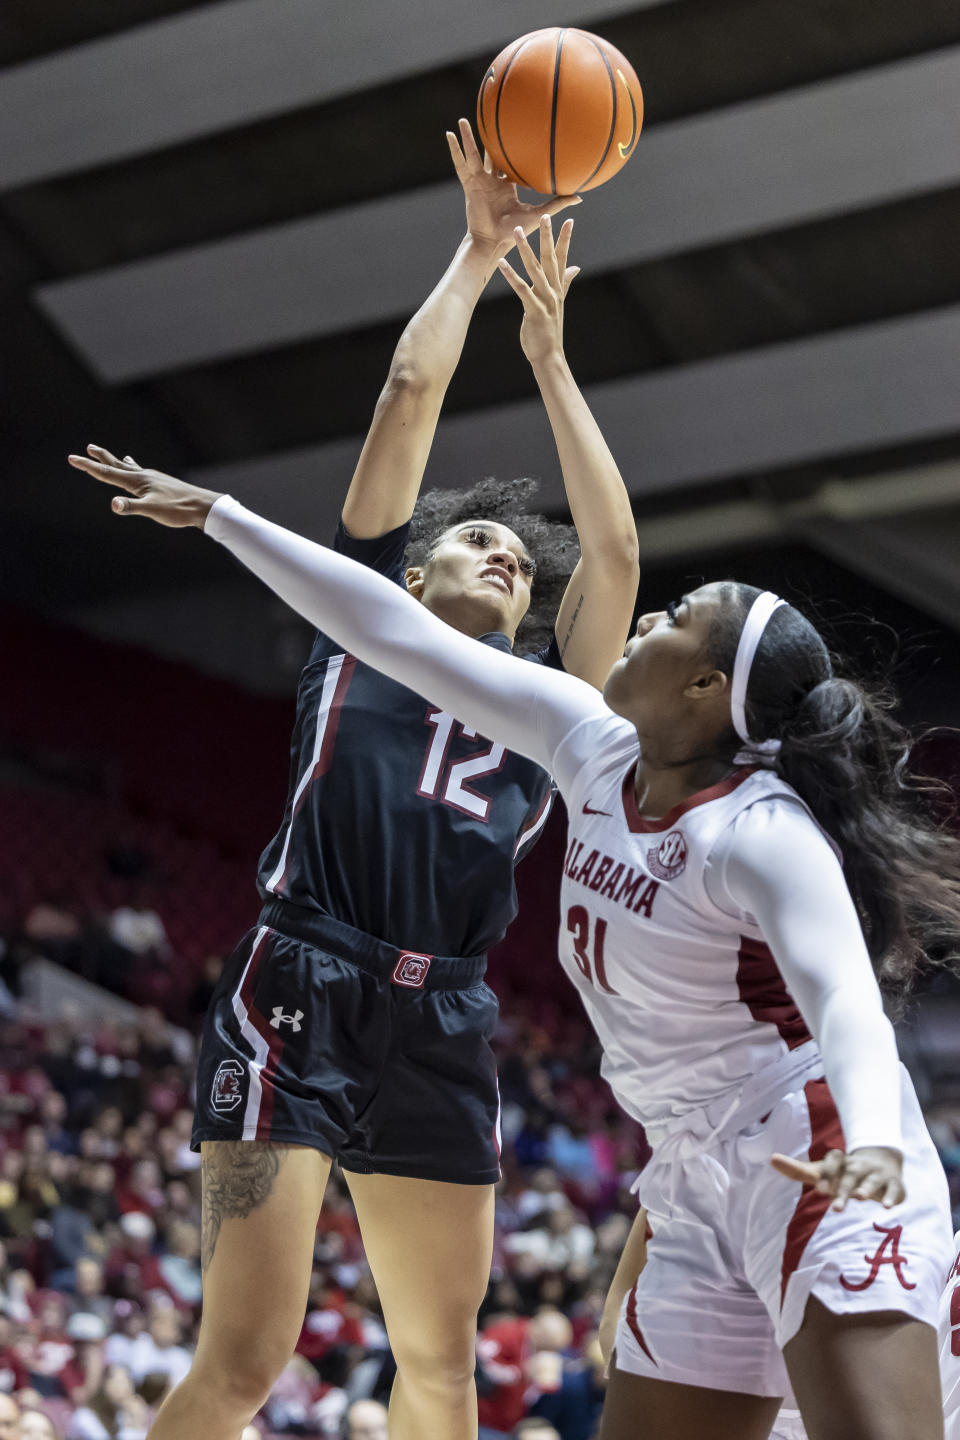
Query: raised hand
x=541, y=333
x=870, y=1173
x=494, y=211
x=149, y=493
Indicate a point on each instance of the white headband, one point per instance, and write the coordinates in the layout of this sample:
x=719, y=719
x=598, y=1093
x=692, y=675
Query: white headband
x=756, y=622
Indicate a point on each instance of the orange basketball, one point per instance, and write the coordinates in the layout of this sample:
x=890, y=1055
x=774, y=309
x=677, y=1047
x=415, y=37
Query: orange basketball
x=560, y=110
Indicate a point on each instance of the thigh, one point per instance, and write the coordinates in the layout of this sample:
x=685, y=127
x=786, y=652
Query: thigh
x=429, y=1245
x=436, y=1112
x=261, y=1201
x=637, y=1405
x=865, y=1377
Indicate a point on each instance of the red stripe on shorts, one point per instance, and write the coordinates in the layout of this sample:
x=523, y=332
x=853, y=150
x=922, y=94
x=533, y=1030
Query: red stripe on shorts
x=273, y=1039
x=826, y=1134
x=634, y=1327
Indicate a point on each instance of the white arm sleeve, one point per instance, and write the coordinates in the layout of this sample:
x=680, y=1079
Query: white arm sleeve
x=527, y=708
x=775, y=866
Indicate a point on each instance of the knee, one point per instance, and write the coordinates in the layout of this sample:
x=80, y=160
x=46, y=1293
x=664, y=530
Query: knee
x=239, y=1382
x=443, y=1363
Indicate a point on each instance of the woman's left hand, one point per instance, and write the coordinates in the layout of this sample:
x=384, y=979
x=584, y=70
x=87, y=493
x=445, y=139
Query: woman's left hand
x=541, y=333
x=150, y=493
x=871, y=1173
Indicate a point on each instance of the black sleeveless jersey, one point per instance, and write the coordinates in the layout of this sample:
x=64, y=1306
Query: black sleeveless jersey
x=400, y=821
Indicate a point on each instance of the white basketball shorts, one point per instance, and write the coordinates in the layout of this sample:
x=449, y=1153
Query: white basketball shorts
x=737, y=1250
x=950, y=1346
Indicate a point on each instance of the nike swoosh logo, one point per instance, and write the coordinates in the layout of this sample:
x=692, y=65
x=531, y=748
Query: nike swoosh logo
x=589, y=810
x=625, y=149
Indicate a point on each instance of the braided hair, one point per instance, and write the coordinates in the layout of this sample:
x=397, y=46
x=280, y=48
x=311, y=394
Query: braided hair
x=848, y=758
x=552, y=544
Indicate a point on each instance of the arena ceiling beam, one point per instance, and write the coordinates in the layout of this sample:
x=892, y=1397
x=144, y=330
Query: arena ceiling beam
x=768, y=409
x=230, y=64
x=826, y=149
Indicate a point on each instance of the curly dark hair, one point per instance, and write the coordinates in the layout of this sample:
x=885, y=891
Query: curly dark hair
x=552, y=544
x=848, y=758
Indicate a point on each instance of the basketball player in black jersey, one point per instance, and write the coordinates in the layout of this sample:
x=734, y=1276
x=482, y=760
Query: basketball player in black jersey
x=354, y=1022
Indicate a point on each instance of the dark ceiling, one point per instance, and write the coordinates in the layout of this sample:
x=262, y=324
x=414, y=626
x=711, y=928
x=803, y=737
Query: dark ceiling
x=818, y=252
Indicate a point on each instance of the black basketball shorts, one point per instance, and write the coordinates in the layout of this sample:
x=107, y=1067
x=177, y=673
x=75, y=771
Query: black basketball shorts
x=321, y=1035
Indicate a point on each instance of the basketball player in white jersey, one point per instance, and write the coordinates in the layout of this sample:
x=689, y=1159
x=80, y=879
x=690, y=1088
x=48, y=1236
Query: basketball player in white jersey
x=742, y=846
x=950, y=1345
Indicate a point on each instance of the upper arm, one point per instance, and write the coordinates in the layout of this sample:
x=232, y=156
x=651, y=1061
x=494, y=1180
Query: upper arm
x=780, y=869
x=593, y=622
x=389, y=473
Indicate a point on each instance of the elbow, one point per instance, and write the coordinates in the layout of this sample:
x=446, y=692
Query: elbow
x=620, y=557
x=407, y=381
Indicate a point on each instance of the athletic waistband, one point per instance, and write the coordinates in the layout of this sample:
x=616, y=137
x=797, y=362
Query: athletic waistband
x=740, y=1107
x=408, y=969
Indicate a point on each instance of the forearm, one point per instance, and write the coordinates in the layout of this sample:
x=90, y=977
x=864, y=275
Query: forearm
x=526, y=708
x=431, y=345
x=595, y=491
x=390, y=469
x=862, y=1068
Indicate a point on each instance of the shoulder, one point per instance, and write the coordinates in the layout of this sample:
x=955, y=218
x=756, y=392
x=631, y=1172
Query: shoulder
x=774, y=847
x=549, y=656
x=384, y=553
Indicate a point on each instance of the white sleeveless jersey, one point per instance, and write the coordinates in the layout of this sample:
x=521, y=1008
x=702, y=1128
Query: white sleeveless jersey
x=687, y=1002
x=949, y=1329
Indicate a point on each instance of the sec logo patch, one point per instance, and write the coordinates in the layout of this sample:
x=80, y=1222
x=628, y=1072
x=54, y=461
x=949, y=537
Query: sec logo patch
x=668, y=859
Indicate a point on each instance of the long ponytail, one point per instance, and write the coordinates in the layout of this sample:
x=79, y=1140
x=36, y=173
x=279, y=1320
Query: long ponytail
x=848, y=759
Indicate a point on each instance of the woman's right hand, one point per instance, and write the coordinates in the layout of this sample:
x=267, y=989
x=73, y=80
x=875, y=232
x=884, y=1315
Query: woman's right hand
x=494, y=209
x=150, y=493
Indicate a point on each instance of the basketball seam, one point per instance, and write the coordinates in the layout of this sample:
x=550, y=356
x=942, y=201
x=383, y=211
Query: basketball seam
x=553, y=114
x=496, y=118
x=613, y=121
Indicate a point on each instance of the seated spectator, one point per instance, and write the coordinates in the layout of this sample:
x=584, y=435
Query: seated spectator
x=114, y=1412
x=158, y=1351
x=35, y=1425
x=9, y=1418
x=560, y=1240
x=533, y=1428
x=367, y=1420
x=88, y=1291
x=179, y=1268
x=46, y=1350
x=13, y=1372
x=504, y=1349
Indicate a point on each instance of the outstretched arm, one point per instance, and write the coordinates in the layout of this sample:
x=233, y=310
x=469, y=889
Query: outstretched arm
x=780, y=869
x=387, y=479
x=528, y=708
x=594, y=617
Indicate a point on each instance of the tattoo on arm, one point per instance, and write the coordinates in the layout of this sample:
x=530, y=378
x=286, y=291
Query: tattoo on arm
x=573, y=620
x=237, y=1176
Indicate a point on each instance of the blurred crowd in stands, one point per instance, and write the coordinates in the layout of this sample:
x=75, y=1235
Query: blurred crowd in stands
x=100, y=1278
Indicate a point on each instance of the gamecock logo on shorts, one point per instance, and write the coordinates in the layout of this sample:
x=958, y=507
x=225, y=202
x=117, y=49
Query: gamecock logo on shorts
x=226, y=1091
x=411, y=970
x=669, y=858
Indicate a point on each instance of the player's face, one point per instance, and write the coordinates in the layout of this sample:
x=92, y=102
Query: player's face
x=478, y=578
x=665, y=661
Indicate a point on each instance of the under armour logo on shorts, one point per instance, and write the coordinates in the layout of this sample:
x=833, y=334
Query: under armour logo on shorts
x=411, y=970
x=280, y=1019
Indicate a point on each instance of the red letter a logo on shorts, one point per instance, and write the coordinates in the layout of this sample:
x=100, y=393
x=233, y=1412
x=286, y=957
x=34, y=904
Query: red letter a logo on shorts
x=890, y=1242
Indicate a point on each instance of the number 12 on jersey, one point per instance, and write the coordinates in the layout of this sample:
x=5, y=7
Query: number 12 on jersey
x=591, y=966
x=451, y=787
